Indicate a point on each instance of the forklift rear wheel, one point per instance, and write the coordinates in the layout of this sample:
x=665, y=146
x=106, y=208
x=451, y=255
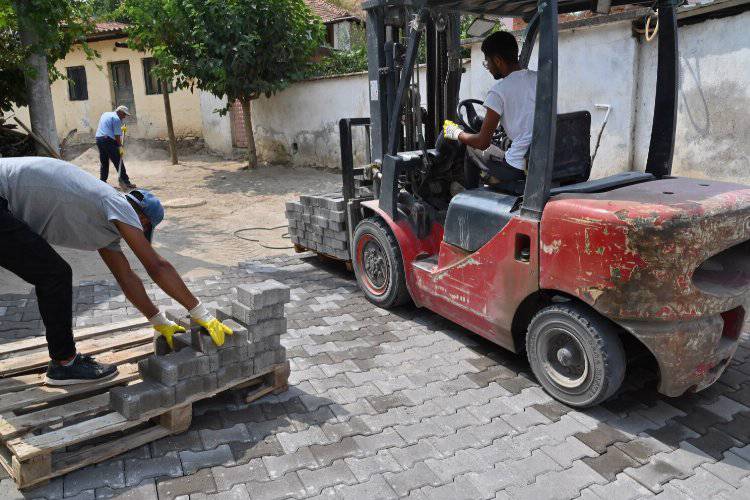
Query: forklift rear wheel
x=378, y=265
x=575, y=354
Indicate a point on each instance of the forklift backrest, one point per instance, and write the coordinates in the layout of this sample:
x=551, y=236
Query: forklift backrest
x=572, y=148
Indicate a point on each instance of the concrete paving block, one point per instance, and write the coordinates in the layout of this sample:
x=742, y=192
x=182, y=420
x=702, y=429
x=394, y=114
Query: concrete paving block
x=335, y=244
x=190, y=387
x=269, y=343
x=249, y=316
x=247, y=368
x=161, y=348
x=134, y=400
x=268, y=328
x=223, y=313
x=307, y=200
x=228, y=373
x=263, y=294
x=240, y=335
x=232, y=355
x=280, y=355
x=336, y=226
x=336, y=203
x=264, y=360
x=171, y=368
x=293, y=206
x=201, y=341
x=181, y=341
x=213, y=362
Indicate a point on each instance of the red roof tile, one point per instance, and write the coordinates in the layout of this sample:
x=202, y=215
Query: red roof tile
x=327, y=11
x=109, y=27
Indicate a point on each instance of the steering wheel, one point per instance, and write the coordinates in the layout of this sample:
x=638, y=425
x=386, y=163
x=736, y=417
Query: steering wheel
x=473, y=123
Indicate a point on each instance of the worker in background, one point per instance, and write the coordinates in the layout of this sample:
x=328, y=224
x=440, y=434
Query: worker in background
x=109, y=141
x=510, y=102
x=46, y=202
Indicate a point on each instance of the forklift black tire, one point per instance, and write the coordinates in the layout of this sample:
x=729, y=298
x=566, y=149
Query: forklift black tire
x=575, y=354
x=378, y=265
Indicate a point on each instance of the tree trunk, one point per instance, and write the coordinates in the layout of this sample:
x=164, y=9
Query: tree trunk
x=170, y=126
x=41, y=110
x=252, y=158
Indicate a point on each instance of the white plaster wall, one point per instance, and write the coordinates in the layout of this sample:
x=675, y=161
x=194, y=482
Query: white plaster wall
x=713, y=128
x=299, y=125
x=595, y=66
x=217, y=129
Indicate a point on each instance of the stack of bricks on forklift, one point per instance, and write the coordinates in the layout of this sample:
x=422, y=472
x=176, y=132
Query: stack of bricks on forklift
x=197, y=365
x=319, y=223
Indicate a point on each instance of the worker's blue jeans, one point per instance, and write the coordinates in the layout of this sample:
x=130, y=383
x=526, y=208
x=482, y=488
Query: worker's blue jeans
x=31, y=258
x=109, y=150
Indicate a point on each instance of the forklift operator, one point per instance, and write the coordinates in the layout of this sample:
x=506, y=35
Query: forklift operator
x=510, y=102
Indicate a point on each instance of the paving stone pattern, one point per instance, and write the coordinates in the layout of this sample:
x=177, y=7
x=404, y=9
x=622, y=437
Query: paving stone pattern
x=197, y=365
x=402, y=403
x=318, y=222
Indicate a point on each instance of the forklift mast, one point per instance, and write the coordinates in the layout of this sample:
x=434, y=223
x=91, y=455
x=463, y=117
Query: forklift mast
x=394, y=31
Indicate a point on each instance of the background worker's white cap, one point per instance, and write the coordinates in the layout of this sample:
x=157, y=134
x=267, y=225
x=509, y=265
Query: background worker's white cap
x=124, y=109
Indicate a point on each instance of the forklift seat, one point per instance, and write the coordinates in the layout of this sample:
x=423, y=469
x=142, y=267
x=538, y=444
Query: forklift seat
x=572, y=154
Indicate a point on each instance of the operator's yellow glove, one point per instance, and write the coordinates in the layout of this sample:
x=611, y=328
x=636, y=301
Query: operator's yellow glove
x=124, y=129
x=451, y=130
x=122, y=152
x=215, y=328
x=166, y=327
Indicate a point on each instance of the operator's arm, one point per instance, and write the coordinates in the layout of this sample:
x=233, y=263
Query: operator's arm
x=483, y=139
x=131, y=284
x=158, y=268
x=118, y=140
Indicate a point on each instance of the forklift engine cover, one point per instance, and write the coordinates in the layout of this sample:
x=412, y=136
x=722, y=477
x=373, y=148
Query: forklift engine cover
x=668, y=260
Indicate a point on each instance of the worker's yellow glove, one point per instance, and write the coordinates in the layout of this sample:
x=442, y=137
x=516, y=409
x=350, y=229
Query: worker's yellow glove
x=166, y=327
x=124, y=129
x=122, y=152
x=451, y=130
x=215, y=328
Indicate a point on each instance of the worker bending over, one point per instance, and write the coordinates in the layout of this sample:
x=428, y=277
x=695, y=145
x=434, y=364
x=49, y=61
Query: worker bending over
x=47, y=202
x=510, y=102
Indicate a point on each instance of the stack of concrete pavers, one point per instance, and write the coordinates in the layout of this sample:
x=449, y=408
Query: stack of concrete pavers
x=197, y=365
x=318, y=222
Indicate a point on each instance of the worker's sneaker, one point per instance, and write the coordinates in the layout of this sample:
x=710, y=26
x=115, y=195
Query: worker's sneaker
x=127, y=186
x=82, y=370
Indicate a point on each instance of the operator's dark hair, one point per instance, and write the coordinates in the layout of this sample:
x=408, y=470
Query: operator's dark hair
x=501, y=44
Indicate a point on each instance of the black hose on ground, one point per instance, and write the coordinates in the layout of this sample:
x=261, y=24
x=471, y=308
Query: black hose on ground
x=283, y=236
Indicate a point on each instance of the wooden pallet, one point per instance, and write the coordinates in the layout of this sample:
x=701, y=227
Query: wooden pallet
x=46, y=432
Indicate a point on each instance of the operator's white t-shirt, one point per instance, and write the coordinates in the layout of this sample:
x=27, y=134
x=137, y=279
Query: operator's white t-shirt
x=514, y=98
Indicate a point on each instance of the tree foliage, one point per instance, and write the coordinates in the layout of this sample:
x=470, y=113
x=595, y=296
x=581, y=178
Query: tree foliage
x=58, y=23
x=241, y=49
x=234, y=48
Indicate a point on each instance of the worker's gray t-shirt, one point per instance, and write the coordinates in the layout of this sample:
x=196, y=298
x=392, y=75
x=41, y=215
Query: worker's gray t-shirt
x=64, y=204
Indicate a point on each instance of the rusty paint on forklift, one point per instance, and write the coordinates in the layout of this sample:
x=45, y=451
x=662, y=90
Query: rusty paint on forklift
x=671, y=266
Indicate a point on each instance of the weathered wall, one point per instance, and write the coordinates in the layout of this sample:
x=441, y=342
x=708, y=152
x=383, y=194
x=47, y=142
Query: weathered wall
x=217, y=129
x=713, y=129
x=150, y=121
x=603, y=65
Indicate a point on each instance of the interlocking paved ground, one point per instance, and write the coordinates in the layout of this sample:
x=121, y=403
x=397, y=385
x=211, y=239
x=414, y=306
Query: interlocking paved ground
x=388, y=404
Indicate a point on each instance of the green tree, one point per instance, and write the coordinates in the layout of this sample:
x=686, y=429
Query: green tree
x=34, y=34
x=241, y=49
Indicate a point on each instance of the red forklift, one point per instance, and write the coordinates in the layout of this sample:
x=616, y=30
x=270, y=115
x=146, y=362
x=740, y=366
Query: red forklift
x=563, y=268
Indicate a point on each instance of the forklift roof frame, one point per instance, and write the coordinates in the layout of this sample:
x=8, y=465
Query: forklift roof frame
x=543, y=18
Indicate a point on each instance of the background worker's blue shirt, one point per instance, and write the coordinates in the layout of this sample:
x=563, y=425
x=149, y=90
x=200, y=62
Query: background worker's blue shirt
x=110, y=125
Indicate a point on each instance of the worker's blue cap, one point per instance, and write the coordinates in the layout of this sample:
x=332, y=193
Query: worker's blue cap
x=150, y=205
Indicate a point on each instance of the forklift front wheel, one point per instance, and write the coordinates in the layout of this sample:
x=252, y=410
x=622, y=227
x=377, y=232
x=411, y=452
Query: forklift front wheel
x=575, y=354
x=378, y=265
